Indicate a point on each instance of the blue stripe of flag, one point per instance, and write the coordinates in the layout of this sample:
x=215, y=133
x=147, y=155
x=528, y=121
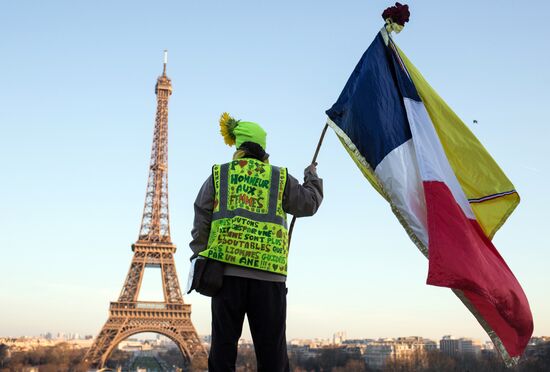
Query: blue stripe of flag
x=370, y=109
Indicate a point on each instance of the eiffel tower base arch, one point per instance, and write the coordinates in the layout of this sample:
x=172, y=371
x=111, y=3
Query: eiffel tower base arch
x=180, y=330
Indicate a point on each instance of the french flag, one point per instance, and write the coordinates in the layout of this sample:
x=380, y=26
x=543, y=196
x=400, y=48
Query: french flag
x=384, y=124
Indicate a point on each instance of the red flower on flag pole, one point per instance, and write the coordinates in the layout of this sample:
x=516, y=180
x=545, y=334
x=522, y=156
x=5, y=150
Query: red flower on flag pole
x=397, y=14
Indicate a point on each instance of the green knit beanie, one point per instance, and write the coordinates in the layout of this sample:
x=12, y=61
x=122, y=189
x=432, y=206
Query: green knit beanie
x=236, y=132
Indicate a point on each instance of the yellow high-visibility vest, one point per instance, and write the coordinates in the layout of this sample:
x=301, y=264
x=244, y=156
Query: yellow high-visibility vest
x=249, y=225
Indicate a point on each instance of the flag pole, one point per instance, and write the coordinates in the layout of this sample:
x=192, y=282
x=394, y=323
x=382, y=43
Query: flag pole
x=313, y=161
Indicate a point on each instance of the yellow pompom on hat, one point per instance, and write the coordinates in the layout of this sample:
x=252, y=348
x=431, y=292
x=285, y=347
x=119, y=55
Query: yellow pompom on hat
x=236, y=132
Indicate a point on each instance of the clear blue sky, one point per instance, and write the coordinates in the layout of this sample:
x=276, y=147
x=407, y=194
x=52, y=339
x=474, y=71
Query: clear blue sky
x=76, y=121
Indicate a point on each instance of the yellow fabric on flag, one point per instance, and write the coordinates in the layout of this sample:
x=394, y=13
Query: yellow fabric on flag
x=477, y=172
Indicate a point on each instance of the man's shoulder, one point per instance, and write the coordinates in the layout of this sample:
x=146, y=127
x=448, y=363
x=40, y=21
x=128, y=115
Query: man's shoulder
x=244, y=161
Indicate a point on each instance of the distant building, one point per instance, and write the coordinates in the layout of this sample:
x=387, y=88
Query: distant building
x=74, y=336
x=448, y=345
x=131, y=345
x=338, y=338
x=452, y=346
x=430, y=345
x=303, y=351
x=358, y=341
x=469, y=346
x=356, y=349
x=313, y=343
x=377, y=353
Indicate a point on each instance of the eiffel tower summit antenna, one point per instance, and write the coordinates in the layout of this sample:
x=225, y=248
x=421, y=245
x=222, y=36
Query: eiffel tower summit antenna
x=165, y=62
x=170, y=317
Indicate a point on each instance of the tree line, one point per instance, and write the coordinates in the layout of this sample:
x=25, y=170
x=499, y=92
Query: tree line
x=61, y=357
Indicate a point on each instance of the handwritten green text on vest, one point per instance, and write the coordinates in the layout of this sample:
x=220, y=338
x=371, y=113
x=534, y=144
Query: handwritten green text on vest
x=249, y=225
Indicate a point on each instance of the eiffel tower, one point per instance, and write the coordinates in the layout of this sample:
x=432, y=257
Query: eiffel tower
x=154, y=248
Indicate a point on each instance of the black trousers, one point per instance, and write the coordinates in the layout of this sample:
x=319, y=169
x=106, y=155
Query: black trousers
x=264, y=303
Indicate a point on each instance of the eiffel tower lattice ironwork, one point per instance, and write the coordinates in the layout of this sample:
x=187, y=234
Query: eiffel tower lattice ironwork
x=154, y=248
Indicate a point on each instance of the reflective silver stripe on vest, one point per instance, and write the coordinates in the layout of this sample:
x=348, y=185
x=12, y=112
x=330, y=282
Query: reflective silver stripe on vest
x=271, y=215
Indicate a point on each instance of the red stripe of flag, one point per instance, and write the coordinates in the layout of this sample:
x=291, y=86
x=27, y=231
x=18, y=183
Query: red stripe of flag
x=462, y=257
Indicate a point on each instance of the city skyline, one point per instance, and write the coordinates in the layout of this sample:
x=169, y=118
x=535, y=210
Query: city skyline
x=336, y=338
x=406, y=353
x=78, y=111
x=150, y=335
